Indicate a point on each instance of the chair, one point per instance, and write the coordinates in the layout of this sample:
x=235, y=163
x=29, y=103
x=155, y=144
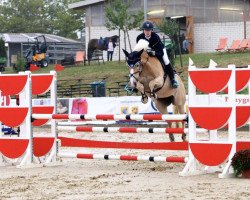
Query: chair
x=244, y=44
x=235, y=46
x=248, y=43
x=79, y=57
x=222, y=44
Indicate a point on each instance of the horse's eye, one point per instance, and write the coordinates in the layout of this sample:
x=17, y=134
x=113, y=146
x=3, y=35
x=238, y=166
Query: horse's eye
x=137, y=64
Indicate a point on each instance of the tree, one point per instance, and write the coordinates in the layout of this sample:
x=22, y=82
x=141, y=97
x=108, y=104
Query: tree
x=64, y=22
x=118, y=17
x=2, y=48
x=40, y=16
x=171, y=28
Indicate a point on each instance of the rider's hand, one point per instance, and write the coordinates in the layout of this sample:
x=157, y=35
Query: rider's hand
x=151, y=53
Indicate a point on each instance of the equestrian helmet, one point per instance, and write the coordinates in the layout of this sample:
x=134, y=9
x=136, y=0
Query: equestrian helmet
x=147, y=25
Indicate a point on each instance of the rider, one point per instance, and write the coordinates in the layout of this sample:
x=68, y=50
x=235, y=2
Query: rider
x=158, y=49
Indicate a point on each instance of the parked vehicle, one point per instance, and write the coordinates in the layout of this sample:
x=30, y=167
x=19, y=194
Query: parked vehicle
x=36, y=54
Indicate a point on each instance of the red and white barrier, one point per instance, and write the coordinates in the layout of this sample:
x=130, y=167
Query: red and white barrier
x=127, y=130
x=149, y=117
x=213, y=116
x=26, y=146
x=40, y=146
x=123, y=157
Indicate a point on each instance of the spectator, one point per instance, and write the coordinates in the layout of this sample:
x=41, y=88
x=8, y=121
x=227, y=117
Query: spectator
x=110, y=50
x=185, y=45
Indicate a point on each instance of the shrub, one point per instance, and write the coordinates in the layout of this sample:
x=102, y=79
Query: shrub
x=20, y=64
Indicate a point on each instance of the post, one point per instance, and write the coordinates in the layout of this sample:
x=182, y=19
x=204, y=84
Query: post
x=145, y=10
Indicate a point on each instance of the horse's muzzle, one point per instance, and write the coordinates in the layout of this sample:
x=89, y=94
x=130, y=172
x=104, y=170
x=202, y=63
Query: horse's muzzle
x=132, y=82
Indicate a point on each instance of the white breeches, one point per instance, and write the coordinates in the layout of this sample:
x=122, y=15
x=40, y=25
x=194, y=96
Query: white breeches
x=165, y=57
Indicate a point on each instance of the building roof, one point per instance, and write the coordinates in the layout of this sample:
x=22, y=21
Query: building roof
x=29, y=37
x=82, y=4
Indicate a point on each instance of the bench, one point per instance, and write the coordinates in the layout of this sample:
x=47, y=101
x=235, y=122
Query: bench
x=119, y=89
x=96, y=56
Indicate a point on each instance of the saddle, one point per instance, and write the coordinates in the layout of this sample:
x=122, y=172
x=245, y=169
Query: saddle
x=103, y=42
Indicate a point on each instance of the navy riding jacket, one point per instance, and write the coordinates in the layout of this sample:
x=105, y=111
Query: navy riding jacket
x=154, y=43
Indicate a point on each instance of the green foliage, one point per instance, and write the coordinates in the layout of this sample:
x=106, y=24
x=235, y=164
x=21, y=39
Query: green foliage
x=20, y=64
x=170, y=28
x=241, y=161
x=2, y=48
x=118, y=16
x=40, y=16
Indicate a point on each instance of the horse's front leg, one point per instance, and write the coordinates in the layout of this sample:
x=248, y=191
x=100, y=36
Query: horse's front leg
x=154, y=84
x=144, y=97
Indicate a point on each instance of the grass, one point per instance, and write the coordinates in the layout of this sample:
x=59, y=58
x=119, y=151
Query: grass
x=115, y=71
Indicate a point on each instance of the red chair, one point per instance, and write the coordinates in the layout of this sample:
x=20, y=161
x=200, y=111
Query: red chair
x=79, y=57
x=244, y=44
x=222, y=44
x=248, y=43
x=235, y=46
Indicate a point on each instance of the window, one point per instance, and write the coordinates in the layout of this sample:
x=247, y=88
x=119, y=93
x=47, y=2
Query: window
x=97, y=15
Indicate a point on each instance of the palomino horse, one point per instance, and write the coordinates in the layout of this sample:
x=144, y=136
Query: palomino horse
x=101, y=44
x=147, y=75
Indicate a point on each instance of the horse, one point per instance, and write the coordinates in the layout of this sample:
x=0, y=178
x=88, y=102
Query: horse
x=101, y=44
x=147, y=76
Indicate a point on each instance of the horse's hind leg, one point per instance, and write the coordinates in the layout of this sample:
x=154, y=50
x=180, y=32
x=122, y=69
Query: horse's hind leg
x=181, y=111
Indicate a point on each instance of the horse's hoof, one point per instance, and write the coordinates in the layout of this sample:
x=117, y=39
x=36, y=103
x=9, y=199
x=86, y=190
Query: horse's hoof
x=171, y=137
x=144, y=100
x=153, y=95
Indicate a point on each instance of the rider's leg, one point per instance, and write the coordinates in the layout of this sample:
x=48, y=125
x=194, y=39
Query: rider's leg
x=169, y=69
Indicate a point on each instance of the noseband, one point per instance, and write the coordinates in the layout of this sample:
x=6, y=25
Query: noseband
x=137, y=65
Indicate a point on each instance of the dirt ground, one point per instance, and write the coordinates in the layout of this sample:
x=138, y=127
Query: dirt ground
x=115, y=180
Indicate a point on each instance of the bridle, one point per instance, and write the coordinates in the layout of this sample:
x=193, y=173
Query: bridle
x=139, y=65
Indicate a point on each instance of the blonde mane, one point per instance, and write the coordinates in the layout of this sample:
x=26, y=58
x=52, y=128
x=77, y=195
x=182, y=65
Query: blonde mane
x=142, y=44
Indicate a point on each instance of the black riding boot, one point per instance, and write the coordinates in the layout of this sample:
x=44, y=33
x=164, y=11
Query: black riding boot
x=170, y=71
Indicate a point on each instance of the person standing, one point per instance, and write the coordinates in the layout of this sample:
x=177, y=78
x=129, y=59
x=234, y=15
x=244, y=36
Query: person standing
x=110, y=50
x=185, y=45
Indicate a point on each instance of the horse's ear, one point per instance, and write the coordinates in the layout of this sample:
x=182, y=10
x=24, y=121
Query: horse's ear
x=125, y=52
x=140, y=52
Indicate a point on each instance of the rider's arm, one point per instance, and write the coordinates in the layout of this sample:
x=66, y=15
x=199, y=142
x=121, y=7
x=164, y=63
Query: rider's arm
x=157, y=45
x=141, y=36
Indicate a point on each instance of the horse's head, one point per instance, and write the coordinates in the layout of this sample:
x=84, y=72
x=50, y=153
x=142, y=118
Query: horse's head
x=114, y=39
x=135, y=65
x=134, y=61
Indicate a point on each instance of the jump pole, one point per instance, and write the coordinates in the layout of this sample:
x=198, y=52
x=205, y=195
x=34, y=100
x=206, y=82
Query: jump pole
x=123, y=157
x=128, y=130
x=153, y=117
